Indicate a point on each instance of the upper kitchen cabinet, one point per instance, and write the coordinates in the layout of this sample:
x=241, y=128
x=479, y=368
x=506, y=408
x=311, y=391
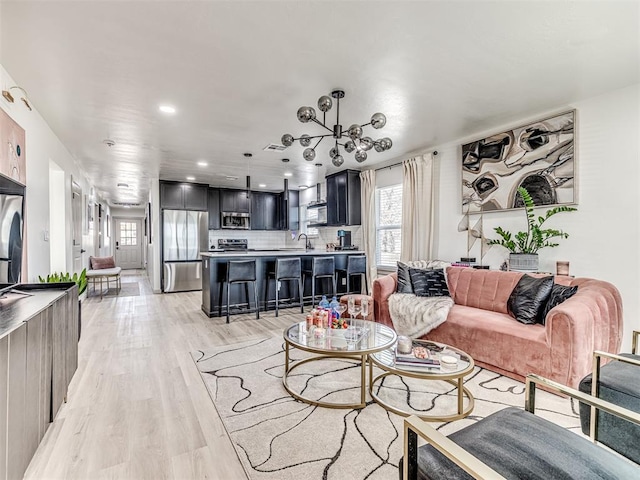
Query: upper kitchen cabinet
x=343, y=198
x=264, y=211
x=289, y=214
x=183, y=196
x=234, y=201
x=214, y=209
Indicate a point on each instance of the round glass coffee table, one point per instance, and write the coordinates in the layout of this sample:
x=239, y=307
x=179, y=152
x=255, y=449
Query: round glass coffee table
x=361, y=339
x=386, y=361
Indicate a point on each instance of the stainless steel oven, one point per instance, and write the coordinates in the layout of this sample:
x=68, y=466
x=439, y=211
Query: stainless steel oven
x=235, y=220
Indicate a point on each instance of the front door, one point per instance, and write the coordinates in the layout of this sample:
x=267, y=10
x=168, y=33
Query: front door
x=128, y=242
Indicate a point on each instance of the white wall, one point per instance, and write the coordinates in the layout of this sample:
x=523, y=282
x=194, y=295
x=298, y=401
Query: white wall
x=604, y=238
x=42, y=145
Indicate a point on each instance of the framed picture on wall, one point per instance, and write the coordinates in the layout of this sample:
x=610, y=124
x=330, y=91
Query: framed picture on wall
x=89, y=216
x=148, y=223
x=108, y=226
x=539, y=156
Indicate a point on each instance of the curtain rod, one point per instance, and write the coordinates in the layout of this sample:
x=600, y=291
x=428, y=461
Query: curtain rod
x=435, y=152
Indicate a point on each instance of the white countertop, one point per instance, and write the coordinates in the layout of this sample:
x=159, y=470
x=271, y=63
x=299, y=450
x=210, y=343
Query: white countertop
x=279, y=253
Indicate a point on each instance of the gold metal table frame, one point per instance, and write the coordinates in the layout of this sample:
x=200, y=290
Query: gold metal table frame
x=386, y=339
x=455, y=378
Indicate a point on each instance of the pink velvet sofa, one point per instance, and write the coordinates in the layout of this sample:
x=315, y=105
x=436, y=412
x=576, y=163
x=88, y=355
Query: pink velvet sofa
x=479, y=324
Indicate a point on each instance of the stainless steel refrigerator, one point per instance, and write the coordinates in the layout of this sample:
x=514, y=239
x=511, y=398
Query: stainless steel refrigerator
x=184, y=235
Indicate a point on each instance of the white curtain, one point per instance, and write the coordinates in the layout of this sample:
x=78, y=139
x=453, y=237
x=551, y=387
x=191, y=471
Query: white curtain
x=418, y=205
x=368, y=198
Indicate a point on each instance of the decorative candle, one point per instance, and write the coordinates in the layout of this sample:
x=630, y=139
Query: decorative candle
x=404, y=344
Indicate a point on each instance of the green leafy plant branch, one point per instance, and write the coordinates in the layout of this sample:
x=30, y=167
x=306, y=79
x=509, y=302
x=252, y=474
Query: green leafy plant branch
x=535, y=237
x=80, y=280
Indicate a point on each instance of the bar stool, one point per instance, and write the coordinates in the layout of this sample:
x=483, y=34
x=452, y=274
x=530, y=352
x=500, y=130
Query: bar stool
x=321, y=267
x=288, y=269
x=356, y=265
x=242, y=271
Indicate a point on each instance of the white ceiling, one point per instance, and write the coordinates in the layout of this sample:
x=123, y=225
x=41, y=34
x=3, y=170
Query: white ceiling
x=238, y=71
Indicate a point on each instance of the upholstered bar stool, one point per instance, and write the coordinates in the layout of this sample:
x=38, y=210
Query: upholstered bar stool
x=288, y=269
x=321, y=267
x=242, y=271
x=356, y=265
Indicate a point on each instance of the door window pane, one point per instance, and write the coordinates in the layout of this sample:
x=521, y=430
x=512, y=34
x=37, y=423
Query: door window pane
x=128, y=234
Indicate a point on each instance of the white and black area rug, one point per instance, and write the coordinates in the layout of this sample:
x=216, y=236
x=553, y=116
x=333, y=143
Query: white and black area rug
x=277, y=437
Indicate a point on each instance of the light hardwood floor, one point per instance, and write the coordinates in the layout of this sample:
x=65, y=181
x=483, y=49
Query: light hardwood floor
x=137, y=407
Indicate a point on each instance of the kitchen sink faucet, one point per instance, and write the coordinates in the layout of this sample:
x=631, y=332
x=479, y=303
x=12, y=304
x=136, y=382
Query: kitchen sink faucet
x=307, y=245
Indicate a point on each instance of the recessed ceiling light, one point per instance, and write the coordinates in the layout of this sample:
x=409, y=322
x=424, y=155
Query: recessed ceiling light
x=202, y=164
x=191, y=179
x=303, y=187
x=262, y=185
x=288, y=174
x=167, y=109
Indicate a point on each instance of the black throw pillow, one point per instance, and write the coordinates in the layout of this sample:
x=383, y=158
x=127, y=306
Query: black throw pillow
x=404, y=279
x=528, y=298
x=429, y=283
x=559, y=293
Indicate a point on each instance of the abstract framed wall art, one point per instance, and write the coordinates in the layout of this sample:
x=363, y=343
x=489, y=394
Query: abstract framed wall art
x=539, y=156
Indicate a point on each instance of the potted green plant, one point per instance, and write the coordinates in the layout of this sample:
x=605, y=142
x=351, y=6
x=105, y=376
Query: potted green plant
x=80, y=280
x=524, y=246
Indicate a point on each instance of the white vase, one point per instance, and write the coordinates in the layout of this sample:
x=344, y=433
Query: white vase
x=523, y=262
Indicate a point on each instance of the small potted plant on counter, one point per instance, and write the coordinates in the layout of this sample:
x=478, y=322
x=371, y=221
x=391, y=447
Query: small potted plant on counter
x=524, y=246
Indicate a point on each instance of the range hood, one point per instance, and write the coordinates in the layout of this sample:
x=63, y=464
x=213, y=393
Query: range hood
x=318, y=201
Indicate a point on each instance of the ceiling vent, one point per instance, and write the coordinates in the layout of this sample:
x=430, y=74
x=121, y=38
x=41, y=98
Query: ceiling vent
x=125, y=204
x=274, y=147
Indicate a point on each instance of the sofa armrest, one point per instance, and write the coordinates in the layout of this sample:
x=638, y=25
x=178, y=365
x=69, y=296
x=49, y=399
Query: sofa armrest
x=590, y=320
x=383, y=287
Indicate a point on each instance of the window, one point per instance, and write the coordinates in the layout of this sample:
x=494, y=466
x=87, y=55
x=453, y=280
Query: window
x=388, y=221
x=312, y=218
x=128, y=234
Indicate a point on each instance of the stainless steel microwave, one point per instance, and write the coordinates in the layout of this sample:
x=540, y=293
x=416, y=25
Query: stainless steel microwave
x=235, y=220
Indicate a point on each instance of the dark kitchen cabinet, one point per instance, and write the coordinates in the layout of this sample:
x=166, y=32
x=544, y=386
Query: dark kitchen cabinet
x=343, y=198
x=234, y=201
x=214, y=209
x=183, y=196
x=264, y=211
x=289, y=212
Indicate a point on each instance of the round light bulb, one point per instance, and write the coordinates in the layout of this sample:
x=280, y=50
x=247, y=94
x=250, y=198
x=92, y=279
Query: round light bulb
x=366, y=143
x=287, y=140
x=325, y=103
x=378, y=120
x=309, y=154
x=337, y=161
x=361, y=156
x=306, y=114
x=305, y=140
x=355, y=131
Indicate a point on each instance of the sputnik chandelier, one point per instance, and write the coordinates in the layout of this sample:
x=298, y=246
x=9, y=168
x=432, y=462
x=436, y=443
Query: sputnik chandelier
x=356, y=142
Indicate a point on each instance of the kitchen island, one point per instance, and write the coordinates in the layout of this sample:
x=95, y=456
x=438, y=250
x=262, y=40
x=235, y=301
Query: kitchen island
x=214, y=271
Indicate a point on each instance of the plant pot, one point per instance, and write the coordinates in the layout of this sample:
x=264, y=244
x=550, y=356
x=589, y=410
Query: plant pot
x=523, y=262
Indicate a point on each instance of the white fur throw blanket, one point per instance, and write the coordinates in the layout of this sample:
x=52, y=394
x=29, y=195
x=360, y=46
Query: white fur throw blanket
x=414, y=316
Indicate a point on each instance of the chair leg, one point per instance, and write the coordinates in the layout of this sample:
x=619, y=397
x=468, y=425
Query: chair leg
x=255, y=295
x=228, y=289
x=366, y=284
x=335, y=287
x=277, y=295
x=313, y=291
x=300, y=295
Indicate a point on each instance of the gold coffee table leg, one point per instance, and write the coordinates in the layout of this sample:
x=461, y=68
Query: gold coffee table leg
x=461, y=411
x=319, y=403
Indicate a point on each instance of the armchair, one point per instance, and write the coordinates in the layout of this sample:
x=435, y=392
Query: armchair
x=514, y=444
x=617, y=382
